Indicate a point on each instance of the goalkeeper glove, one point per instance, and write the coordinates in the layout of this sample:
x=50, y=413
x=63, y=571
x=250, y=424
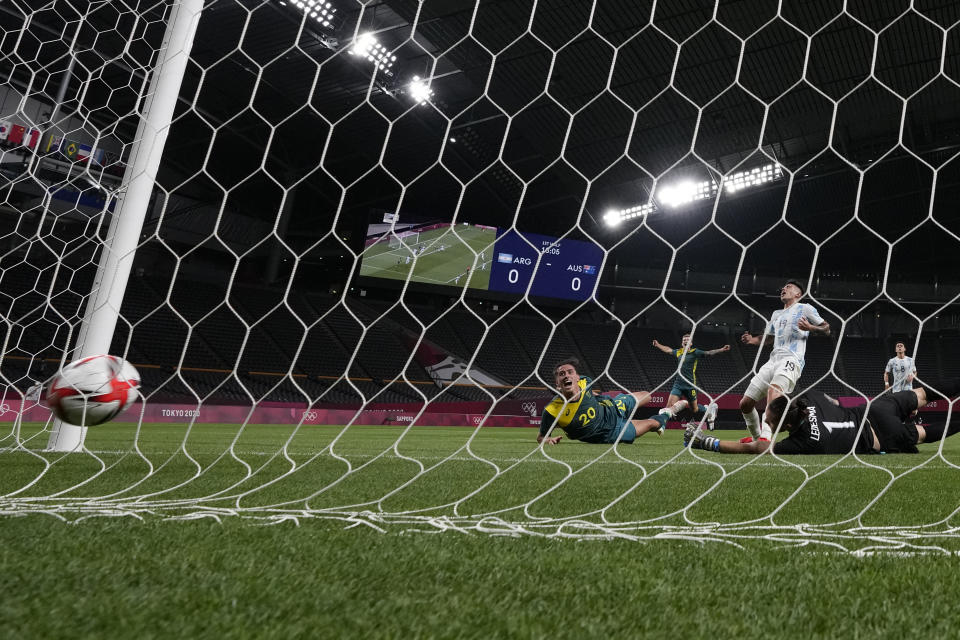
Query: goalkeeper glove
x=708, y=444
x=691, y=434
x=693, y=437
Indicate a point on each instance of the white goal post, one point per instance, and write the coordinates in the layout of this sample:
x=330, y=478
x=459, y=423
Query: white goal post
x=133, y=200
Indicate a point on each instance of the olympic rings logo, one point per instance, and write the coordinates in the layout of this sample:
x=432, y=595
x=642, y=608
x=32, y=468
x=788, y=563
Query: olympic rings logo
x=530, y=407
x=309, y=415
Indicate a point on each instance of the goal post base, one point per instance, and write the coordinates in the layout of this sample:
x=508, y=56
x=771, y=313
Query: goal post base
x=65, y=437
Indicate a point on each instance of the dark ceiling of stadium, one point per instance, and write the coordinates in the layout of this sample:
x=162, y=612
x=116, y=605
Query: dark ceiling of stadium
x=587, y=107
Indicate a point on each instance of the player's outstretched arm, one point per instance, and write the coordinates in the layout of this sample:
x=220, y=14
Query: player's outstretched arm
x=714, y=352
x=936, y=432
x=709, y=443
x=949, y=387
x=546, y=421
x=662, y=347
x=749, y=338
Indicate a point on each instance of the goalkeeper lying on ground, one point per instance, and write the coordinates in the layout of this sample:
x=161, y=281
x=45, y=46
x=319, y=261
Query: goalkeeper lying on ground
x=591, y=418
x=817, y=424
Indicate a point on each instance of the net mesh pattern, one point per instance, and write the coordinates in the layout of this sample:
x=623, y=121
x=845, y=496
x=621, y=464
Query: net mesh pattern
x=760, y=112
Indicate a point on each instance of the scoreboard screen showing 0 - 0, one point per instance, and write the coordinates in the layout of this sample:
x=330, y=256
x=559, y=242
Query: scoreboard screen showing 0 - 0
x=482, y=258
x=568, y=268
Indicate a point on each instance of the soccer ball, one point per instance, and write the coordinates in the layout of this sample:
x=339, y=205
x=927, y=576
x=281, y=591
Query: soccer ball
x=93, y=390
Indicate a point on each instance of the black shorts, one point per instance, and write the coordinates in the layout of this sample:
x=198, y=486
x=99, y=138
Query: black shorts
x=889, y=416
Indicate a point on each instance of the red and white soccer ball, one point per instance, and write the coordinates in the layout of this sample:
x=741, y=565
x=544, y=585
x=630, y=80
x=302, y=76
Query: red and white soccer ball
x=93, y=390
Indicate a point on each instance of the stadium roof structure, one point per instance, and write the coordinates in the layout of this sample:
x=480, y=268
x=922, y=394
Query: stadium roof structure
x=586, y=104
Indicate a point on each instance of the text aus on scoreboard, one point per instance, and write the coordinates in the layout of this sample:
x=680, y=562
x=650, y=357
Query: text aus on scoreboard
x=568, y=268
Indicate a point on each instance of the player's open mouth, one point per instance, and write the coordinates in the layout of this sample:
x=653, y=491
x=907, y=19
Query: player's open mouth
x=567, y=383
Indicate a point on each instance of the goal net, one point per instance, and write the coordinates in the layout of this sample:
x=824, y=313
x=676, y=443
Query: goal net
x=345, y=245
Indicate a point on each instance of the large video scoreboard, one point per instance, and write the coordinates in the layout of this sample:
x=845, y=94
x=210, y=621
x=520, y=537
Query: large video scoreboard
x=484, y=258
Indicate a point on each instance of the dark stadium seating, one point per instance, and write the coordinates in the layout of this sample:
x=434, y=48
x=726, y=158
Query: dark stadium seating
x=863, y=361
x=210, y=336
x=946, y=358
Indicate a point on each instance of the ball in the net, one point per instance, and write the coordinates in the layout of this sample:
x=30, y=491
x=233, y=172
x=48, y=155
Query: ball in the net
x=93, y=390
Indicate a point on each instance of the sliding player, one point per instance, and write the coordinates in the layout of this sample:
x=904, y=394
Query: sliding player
x=817, y=425
x=788, y=330
x=903, y=368
x=591, y=418
x=684, y=385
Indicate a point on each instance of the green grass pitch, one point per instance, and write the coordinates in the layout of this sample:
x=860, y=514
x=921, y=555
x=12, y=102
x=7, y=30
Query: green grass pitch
x=145, y=575
x=447, y=257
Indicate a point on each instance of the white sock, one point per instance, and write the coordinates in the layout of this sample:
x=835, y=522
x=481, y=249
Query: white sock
x=675, y=408
x=753, y=422
x=766, y=432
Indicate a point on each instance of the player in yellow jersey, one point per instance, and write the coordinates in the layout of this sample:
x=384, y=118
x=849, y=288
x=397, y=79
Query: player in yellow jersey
x=592, y=418
x=684, y=385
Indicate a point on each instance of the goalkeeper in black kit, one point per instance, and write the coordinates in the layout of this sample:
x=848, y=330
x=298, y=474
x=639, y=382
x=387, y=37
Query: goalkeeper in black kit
x=816, y=424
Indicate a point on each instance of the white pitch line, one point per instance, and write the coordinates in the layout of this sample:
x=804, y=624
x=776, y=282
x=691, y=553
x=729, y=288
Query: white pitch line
x=511, y=460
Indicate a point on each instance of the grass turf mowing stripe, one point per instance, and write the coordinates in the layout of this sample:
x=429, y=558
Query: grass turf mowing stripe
x=428, y=467
x=124, y=578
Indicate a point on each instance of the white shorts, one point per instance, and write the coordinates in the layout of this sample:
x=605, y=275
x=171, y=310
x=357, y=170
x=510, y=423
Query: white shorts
x=784, y=373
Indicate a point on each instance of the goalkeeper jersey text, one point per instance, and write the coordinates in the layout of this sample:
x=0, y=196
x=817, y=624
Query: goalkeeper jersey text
x=826, y=428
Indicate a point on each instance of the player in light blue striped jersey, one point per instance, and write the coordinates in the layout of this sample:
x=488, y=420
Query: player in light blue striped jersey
x=903, y=368
x=788, y=331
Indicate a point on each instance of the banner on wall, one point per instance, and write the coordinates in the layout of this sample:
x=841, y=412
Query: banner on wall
x=513, y=413
x=443, y=367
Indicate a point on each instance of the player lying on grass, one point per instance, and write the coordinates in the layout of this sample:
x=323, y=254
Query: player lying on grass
x=817, y=424
x=684, y=385
x=588, y=417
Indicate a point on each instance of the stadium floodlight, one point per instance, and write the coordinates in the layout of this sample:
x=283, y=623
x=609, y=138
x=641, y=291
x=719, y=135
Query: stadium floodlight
x=419, y=90
x=318, y=10
x=753, y=177
x=675, y=195
x=361, y=46
x=681, y=193
x=367, y=46
x=706, y=189
x=613, y=217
